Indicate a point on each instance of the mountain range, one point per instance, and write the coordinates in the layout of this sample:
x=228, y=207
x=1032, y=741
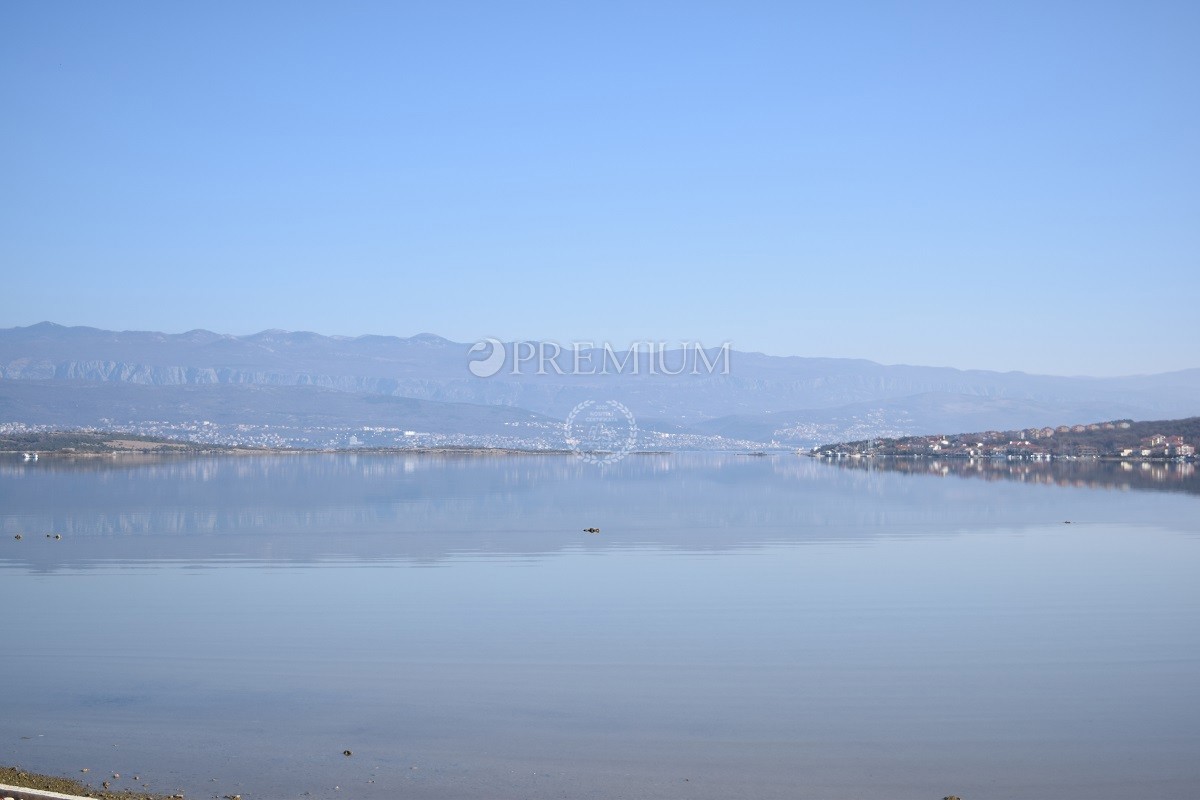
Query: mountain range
x=300, y=381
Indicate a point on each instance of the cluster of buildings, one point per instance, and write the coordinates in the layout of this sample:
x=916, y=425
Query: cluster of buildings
x=533, y=436
x=1160, y=446
x=1098, y=440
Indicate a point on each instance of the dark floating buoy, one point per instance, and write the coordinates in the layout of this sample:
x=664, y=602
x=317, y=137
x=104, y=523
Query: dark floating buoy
x=18, y=537
x=591, y=530
x=347, y=753
x=1066, y=522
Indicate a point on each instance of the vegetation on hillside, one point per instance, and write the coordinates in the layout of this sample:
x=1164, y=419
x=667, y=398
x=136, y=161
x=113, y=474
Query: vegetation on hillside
x=1150, y=438
x=92, y=442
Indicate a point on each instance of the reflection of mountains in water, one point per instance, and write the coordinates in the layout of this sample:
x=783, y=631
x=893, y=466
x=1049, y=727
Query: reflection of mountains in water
x=435, y=509
x=1091, y=473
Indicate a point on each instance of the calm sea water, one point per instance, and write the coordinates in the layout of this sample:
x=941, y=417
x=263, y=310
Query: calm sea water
x=758, y=627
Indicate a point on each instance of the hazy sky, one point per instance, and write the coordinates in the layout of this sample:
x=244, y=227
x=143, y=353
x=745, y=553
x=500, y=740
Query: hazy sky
x=996, y=185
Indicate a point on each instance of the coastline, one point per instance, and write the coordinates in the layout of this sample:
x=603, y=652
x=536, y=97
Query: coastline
x=187, y=451
x=14, y=779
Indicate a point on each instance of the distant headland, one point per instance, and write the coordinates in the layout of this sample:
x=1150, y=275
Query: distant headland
x=1175, y=439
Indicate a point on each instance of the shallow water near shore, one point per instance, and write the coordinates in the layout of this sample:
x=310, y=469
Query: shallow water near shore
x=763, y=627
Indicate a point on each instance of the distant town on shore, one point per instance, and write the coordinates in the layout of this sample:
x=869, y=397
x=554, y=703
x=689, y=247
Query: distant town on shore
x=1158, y=440
x=1117, y=439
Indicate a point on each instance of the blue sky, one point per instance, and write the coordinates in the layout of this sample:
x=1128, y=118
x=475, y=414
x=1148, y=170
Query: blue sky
x=981, y=185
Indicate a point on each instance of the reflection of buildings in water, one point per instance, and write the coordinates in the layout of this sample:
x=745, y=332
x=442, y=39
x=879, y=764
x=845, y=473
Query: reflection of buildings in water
x=429, y=507
x=1089, y=473
x=311, y=492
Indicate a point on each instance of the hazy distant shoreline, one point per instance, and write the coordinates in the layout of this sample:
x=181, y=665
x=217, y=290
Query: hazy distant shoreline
x=188, y=450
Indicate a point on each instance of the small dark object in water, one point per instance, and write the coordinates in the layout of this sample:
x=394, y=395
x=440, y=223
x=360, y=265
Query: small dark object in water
x=952, y=797
x=346, y=753
x=18, y=537
x=1066, y=522
x=58, y=536
x=591, y=530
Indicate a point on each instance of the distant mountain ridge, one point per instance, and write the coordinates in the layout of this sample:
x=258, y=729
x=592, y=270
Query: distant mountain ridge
x=792, y=401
